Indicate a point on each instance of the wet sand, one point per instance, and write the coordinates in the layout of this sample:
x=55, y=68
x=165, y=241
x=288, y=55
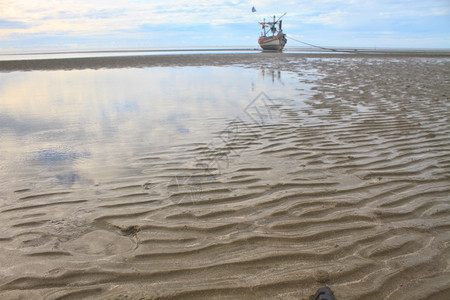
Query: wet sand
x=349, y=190
x=223, y=59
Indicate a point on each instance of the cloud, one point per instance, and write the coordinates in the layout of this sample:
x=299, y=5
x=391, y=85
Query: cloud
x=8, y=24
x=337, y=17
x=129, y=19
x=78, y=17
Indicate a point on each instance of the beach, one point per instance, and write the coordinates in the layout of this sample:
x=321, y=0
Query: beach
x=225, y=176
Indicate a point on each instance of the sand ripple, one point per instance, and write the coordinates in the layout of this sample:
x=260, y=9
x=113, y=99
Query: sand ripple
x=349, y=189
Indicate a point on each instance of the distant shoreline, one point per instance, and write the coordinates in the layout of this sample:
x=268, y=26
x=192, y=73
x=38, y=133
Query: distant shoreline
x=288, y=49
x=191, y=59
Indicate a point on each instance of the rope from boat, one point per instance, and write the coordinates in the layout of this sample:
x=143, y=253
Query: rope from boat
x=315, y=46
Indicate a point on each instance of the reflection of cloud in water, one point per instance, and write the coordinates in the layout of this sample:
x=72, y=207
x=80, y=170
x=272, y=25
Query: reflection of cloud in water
x=178, y=120
x=25, y=125
x=68, y=179
x=88, y=124
x=57, y=166
x=55, y=156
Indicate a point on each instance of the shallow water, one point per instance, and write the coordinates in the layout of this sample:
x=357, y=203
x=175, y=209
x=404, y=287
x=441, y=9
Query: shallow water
x=81, y=127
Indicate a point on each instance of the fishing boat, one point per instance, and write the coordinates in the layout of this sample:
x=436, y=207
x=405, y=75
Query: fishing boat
x=272, y=38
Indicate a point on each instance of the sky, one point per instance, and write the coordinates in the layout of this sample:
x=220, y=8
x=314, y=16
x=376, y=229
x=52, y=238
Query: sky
x=130, y=24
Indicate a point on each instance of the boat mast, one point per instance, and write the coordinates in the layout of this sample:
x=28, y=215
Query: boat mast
x=272, y=25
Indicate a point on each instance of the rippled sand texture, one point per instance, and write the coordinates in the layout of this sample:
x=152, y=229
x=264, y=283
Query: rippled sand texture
x=350, y=189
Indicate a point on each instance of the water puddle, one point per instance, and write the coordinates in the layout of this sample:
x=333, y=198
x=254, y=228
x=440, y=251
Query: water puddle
x=79, y=127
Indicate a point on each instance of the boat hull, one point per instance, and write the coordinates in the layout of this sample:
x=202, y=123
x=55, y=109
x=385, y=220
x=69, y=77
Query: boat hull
x=275, y=43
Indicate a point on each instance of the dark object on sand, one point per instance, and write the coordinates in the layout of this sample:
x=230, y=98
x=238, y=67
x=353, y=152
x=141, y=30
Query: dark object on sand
x=324, y=293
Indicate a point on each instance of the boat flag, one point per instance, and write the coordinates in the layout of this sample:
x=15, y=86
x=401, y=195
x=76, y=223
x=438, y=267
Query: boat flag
x=253, y=9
